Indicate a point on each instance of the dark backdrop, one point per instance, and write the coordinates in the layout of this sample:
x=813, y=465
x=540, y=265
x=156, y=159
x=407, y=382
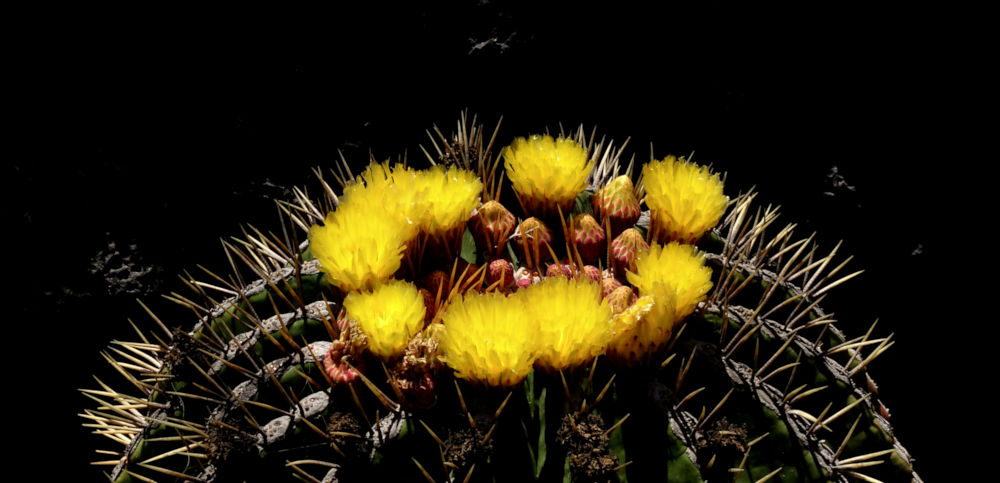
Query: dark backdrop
x=152, y=136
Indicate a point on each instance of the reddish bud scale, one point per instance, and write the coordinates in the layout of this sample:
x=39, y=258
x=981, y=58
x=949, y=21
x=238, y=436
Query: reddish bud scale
x=336, y=363
x=620, y=299
x=532, y=237
x=609, y=285
x=500, y=271
x=491, y=226
x=559, y=270
x=343, y=323
x=616, y=202
x=588, y=236
x=625, y=248
x=592, y=273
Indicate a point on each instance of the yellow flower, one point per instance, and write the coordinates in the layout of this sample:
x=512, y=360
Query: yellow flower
x=448, y=198
x=573, y=319
x=361, y=243
x=436, y=202
x=685, y=199
x=489, y=339
x=547, y=173
x=397, y=190
x=680, y=266
x=643, y=328
x=389, y=316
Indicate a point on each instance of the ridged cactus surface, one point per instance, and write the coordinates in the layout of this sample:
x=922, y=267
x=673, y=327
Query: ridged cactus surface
x=532, y=313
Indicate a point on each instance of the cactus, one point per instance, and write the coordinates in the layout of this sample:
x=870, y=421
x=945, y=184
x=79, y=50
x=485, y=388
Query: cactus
x=670, y=362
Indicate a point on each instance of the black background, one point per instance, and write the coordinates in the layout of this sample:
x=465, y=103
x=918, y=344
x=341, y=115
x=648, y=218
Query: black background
x=163, y=132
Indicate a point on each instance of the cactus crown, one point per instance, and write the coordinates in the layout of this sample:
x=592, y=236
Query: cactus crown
x=398, y=343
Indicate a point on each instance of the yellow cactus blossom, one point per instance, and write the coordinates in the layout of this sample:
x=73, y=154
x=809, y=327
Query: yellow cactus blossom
x=682, y=266
x=360, y=244
x=573, y=319
x=436, y=200
x=684, y=199
x=644, y=328
x=489, y=339
x=389, y=315
x=547, y=173
x=397, y=190
x=448, y=198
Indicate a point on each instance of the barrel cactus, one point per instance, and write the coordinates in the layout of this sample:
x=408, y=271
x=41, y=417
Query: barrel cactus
x=584, y=322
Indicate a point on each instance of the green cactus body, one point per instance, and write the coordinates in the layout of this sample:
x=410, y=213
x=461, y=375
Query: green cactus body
x=756, y=385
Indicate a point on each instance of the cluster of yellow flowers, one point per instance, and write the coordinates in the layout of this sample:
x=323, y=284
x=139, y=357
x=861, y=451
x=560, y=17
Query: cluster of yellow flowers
x=555, y=324
x=550, y=323
x=361, y=243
